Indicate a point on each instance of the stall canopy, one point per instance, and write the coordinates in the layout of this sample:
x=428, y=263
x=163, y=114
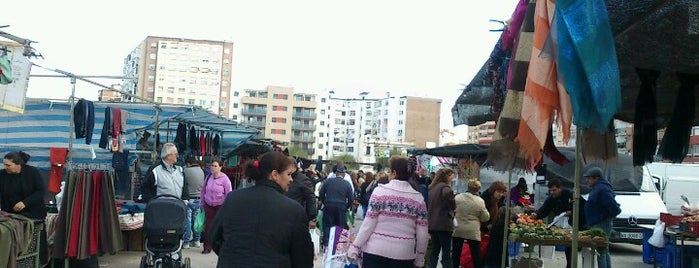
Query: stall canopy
x=475, y=152
x=45, y=124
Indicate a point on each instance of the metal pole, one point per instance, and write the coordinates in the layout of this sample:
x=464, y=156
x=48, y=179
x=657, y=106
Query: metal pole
x=71, y=124
x=154, y=154
x=576, y=199
x=507, y=220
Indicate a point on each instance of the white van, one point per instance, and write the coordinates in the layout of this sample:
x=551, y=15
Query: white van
x=637, y=207
x=675, y=180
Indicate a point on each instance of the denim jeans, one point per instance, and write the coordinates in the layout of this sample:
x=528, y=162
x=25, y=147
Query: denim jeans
x=605, y=259
x=192, y=212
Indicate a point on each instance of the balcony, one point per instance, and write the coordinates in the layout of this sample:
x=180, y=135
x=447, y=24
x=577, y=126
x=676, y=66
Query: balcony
x=303, y=127
x=261, y=112
x=256, y=124
x=304, y=115
x=295, y=138
x=311, y=151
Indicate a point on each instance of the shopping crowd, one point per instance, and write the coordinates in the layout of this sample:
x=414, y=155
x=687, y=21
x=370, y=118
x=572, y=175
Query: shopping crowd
x=410, y=218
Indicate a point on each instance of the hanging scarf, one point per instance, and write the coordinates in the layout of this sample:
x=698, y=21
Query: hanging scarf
x=544, y=98
x=645, y=129
x=587, y=61
x=675, y=143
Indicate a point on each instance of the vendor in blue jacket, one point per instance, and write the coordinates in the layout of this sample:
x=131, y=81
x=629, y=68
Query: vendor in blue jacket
x=601, y=208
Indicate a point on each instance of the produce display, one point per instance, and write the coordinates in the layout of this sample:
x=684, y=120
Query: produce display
x=525, y=227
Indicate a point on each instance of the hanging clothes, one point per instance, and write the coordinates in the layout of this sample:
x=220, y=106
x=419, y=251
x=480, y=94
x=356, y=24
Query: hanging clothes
x=503, y=152
x=87, y=223
x=57, y=158
x=216, y=144
x=193, y=140
x=645, y=127
x=5, y=70
x=675, y=143
x=181, y=137
x=84, y=120
x=116, y=128
x=544, y=98
x=106, y=128
x=202, y=143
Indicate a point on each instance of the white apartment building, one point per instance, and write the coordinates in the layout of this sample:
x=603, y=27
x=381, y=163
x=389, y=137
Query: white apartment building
x=369, y=127
x=181, y=71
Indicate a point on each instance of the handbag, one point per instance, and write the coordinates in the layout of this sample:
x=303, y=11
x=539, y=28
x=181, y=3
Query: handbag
x=199, y=221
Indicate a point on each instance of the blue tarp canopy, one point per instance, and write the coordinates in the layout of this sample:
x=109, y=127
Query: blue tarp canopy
x=45, y=124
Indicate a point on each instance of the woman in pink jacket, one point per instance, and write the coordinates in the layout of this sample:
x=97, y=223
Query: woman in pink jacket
x=394, y=231
x=213, y=193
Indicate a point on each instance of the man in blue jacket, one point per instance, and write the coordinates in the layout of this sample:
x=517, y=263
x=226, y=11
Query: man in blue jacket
x=600, y=209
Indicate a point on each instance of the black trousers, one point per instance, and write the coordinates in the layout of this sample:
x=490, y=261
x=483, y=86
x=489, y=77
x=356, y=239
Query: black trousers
x=376, y=261
x=333, y=216
x=473, y=245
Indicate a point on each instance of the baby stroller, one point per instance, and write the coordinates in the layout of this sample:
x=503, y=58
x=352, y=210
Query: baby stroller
x=163, y=228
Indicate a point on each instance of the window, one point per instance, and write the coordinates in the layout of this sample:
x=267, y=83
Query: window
x=224, y=73
x=160, y=88
x=170, y=89
x=152, y=56
x=262, y=95
x=278, y=120
x=308, y=98
x=279, y=108
x=400, y=132
x=320, y=146
x=180, y=100
x=695, y=131
x=181, y=90
x=321, y=134
x=170, y=100
x=352, y=113
x=160, y=99
x=227, y=51
x=226, y=61
x=322, y=111
x=322, y=123
x=402, y=102
x=280, y=96
x=202, y=102
x=251, y=94
x=235, y=105
x=153, y=45
x=151, y=67
x=224, y=83
x=190, y=101
x=235, y=93
x=298, y=97
x=224, y=94
x=351, y=122
x=400, y=112
x=350, y=149
x=151, y=78
x=212, y=103
x=150, y=89
x=322, y=100
x=400, y=122
x=279, y=131
x=234, y=117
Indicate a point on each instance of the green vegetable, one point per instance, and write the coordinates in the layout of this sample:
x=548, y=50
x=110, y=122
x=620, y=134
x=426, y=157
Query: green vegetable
x=595, y=232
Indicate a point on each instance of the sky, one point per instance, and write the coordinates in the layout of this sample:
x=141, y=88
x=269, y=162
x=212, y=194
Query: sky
x=409, y=48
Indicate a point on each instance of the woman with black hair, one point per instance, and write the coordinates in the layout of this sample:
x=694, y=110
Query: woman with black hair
x=259, y=225
x=22, y=191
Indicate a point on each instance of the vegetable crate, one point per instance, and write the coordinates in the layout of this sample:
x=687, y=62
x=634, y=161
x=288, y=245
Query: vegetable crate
x=670, y=219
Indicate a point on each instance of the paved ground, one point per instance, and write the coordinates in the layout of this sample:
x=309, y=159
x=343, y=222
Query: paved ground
x=623, y=256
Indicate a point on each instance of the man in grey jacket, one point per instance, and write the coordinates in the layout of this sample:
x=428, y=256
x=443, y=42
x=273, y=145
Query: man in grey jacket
x=194, y=178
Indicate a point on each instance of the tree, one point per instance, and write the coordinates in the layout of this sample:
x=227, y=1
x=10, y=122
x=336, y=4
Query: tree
x=298, y=152
x=350, y=162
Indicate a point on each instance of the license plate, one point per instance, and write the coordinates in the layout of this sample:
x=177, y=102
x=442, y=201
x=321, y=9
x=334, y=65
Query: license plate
x=638, y=236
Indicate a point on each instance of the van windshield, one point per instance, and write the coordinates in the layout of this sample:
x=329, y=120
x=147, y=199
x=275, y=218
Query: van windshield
x=622, y=175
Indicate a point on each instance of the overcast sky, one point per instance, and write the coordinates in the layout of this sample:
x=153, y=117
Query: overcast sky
x=415, y=48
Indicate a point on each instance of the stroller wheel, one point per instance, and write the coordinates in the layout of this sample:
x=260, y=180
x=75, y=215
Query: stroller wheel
x=144, y=262
x=187, y=263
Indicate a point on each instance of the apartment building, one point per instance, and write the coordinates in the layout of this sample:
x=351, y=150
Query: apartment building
x=282, y=114
x=370, y=127
x=181, y=71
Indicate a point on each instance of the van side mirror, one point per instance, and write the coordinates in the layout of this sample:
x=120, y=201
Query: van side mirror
x=656, y=181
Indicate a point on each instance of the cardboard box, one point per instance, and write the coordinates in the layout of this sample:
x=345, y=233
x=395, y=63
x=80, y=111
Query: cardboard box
x=133, y=240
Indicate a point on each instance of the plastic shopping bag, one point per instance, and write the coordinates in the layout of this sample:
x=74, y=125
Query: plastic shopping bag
x=560, y=221
x=315, y=238
x=199, y=221
x=658, y=238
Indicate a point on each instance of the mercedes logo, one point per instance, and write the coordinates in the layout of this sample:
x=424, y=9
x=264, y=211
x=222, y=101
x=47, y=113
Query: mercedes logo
x=632, y=221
